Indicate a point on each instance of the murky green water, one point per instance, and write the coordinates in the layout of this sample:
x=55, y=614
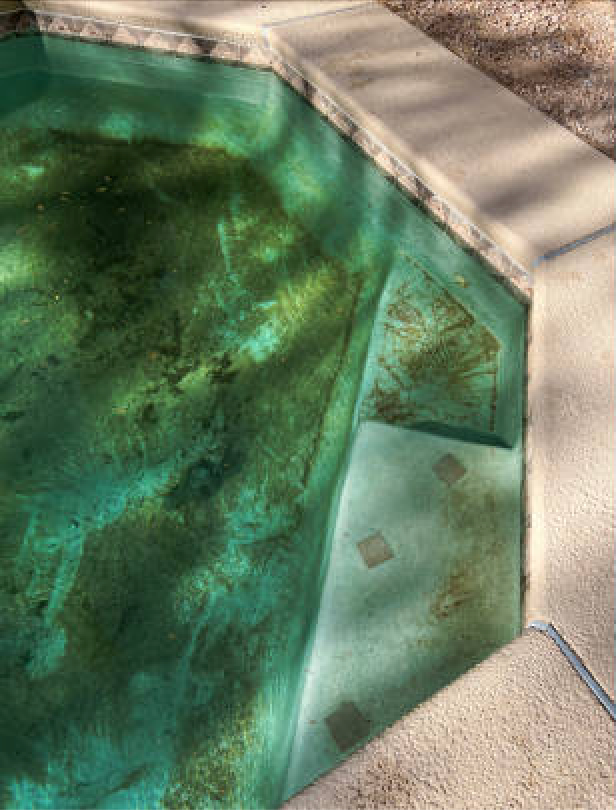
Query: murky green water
x=187, y=305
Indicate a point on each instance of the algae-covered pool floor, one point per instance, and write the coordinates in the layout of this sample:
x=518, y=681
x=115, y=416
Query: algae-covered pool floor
x=179, y=372
x=260, y=438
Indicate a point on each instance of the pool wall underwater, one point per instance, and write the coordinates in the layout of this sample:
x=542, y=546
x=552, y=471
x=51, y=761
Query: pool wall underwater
x=316, y=175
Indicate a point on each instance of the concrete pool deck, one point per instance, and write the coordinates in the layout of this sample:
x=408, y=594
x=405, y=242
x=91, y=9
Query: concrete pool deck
x=521, y=729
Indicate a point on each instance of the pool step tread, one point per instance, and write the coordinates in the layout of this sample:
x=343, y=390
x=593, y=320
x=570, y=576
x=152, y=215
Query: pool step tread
x=393, y=629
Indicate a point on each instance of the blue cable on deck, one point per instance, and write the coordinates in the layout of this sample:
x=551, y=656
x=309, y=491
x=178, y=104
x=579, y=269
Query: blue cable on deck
x=577, y=665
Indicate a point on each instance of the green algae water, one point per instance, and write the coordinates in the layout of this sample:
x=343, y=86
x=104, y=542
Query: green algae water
x=203, y=292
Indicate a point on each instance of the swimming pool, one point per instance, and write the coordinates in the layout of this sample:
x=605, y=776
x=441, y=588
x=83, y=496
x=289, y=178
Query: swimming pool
x=226, y=333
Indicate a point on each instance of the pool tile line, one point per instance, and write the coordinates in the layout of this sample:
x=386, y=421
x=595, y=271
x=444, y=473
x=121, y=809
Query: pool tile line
x=251, y=53
x=30, y=18
x=242, y=50
x=548, y=629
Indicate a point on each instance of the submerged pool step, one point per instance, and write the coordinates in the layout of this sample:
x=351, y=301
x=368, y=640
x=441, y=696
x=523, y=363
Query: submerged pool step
x=423, y=582
x=446, y=356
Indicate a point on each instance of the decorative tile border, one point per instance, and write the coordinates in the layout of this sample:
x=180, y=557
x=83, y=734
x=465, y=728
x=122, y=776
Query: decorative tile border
x=240, y=50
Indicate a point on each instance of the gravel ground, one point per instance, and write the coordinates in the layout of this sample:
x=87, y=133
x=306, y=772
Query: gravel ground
x=558, y=55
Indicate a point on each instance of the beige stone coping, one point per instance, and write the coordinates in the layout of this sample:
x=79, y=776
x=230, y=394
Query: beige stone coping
x=520, y=730
x=213, y=17
x=527, y=182
x=572, y=453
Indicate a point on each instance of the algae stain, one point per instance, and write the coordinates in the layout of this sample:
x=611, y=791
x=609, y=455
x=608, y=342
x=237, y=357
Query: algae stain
x=457, y=590
x=197, y=359
x=436, y=362
x=468, y=601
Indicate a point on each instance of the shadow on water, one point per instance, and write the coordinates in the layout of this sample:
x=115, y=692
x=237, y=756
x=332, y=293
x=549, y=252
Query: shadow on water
x=119, y=610
x=128, y=311
x=183, y=595
x=15, y=93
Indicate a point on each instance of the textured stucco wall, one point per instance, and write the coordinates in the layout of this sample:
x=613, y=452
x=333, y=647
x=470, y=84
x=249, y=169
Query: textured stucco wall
x=573, y=451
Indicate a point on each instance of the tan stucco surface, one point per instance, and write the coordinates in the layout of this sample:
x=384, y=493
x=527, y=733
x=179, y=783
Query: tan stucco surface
x=571, y=392
x=527, y=182
x=519, y=731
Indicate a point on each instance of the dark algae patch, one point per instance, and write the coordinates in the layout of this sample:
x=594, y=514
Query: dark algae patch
x=179, y=369
x=438, y=365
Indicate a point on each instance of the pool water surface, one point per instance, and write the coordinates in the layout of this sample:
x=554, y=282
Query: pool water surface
x=211, y=308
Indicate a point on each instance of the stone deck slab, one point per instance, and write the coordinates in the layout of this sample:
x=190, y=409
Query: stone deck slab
x=527, y=182
x=214, y=17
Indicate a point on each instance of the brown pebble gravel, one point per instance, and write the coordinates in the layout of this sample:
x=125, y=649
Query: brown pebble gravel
x=558, y=55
